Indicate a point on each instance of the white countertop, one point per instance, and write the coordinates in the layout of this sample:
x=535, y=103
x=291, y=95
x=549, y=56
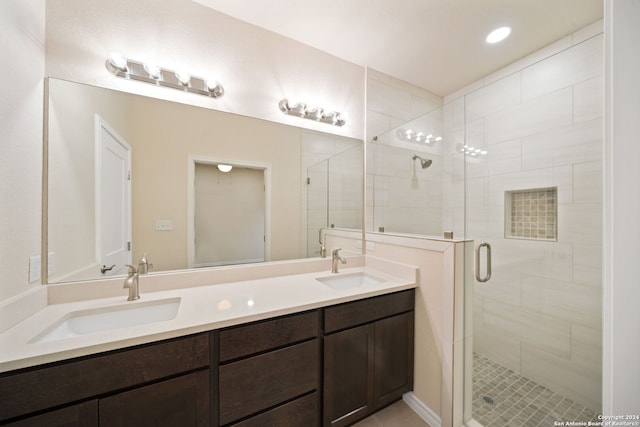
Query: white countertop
x=202, y=308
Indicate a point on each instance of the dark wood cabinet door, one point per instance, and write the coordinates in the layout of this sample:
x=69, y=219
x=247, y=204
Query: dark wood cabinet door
x=348, y=375
x=181, y=401
x=80, y=415
x=393, y=358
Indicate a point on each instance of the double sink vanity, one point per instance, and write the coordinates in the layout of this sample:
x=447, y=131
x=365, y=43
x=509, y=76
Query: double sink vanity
x=292, y=345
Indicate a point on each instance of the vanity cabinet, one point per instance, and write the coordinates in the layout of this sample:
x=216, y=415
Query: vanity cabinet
x=166, y=379
x=368, y=356
x=338, y=364
x=269, y=372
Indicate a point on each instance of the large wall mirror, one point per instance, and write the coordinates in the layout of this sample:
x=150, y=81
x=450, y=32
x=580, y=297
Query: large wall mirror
x=130, y=175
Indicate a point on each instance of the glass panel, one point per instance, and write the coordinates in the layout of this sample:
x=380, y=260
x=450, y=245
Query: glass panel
x=537, y=322
x=317, y=205
x=409, y=171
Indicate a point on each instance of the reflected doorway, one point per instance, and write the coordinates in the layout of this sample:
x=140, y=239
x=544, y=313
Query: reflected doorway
x=228, y=214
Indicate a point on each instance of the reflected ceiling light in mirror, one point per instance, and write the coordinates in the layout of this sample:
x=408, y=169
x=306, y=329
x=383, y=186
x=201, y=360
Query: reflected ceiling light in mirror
x=498, y=35
x=120, y=66
x=472, y=151
x=317, y=114
x=409, y=135
x=225, y=168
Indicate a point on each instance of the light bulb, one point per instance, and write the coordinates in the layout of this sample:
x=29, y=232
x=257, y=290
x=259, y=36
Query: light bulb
x=117, y=60
x=153, y=70
x=183, y=77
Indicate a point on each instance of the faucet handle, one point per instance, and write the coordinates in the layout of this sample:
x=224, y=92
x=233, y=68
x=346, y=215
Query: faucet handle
x=335, y=252
x=132, y=269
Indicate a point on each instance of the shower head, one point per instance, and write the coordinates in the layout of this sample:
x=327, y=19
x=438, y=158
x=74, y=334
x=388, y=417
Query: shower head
x=424, y=163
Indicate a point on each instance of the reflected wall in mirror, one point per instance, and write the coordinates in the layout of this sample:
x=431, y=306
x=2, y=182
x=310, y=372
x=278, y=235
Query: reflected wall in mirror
x=164, y=138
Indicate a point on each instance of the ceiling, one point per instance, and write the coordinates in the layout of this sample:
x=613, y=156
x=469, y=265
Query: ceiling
x=435, y=44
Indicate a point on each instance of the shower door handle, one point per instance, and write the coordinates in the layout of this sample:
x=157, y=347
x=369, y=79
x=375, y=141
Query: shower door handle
x=488, y=273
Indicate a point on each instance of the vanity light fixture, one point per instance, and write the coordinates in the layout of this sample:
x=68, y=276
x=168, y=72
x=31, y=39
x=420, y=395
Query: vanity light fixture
x=225, y=168
x=316, y=114
x=126, y=68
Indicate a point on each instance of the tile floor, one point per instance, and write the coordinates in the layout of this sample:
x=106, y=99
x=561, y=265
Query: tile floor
x=395, y=415
x=504, y=398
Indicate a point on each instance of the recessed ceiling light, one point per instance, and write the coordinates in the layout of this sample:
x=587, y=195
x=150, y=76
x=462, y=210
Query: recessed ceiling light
x=498, y=35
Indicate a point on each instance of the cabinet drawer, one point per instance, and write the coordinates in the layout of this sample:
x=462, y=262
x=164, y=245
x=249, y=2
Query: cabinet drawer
x=36, y=389
x=257, y=337
x=252, y=385
x=303, y=412
x=181, y=401
x=80, y=415
x=359, y=312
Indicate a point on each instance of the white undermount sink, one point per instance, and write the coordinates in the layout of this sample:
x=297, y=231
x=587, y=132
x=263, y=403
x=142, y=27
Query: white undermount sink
x=350, y=280
x=126, y=315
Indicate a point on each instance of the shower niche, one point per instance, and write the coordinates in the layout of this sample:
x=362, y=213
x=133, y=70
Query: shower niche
x=531, y=214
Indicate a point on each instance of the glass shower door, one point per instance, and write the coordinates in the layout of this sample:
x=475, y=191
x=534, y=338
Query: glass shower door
x=533, y=157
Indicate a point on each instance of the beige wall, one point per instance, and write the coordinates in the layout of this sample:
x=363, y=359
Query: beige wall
x=71, y=177
x=21, y=94
x=163, y=137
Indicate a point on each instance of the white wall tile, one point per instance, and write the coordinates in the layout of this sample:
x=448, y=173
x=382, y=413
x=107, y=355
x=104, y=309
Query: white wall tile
x=587, y=182
x=529, y=60
x=587, y=264
x=563, y=145
x=586, y=346
x=580, y=384
x=588, y=100
x=531, y=117
x=588, y=32
x=502, y=94
x=582, y=62
x=502, y=349
x=578, y=304
x=541, y=331
x=505, y=157
x=586, y=223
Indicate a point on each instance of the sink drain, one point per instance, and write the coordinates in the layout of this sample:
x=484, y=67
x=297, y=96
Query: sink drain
x=489, y=400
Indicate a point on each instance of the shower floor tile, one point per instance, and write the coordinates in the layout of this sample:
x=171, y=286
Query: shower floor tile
x=502, y=397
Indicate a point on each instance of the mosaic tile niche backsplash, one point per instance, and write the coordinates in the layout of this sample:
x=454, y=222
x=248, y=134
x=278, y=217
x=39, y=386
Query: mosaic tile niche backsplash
x=532, y=214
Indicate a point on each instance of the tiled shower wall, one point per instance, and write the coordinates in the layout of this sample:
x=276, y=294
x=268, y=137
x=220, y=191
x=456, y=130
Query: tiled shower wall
x=540, y=121
x=401, y=196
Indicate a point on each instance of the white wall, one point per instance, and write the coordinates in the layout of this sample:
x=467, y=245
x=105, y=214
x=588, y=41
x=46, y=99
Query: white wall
x=541, y=124
x=21, y=92
x=622, y=209
x=257, y=68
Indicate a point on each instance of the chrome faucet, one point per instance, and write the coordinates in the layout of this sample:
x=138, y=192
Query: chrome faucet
x=144, y=265
x=335, y=257
x=323, y=249
x=132, y=282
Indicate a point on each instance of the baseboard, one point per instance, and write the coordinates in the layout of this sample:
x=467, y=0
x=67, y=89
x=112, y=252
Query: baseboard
x=423, y=411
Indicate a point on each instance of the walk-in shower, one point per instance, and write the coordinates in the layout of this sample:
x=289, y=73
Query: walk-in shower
x=531, y=188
